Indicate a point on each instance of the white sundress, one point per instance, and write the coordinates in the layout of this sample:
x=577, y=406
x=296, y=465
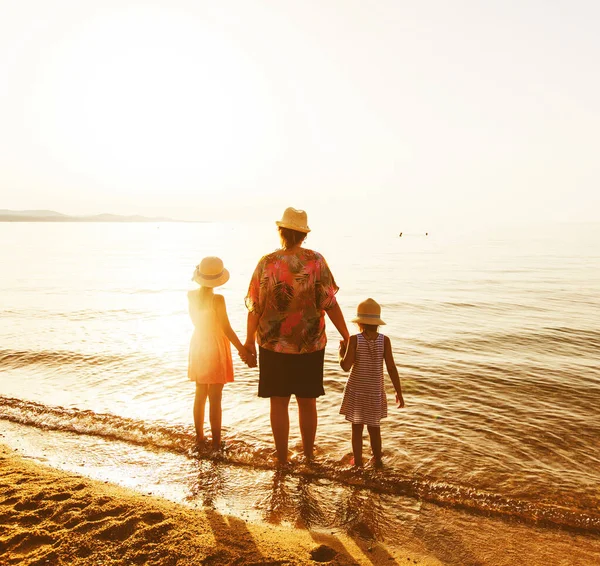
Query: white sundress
x=364, y=399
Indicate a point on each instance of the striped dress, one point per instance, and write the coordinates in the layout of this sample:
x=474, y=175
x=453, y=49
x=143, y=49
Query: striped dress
x=364, y=399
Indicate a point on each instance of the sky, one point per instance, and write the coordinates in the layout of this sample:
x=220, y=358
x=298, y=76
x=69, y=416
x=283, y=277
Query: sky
x=401, y=113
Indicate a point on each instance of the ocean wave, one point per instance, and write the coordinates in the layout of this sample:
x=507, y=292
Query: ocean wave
x=20, y=358
x=87, y=314
x=174, y=291
x=249, y=452
x=555, y=340
x=111, y=314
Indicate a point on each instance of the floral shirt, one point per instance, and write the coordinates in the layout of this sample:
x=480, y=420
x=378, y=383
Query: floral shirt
x=290, y=293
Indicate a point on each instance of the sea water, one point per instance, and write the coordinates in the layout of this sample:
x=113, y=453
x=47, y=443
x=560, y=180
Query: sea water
x=496, y=335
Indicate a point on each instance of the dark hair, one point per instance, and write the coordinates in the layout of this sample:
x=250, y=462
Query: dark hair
x=371, y=327
x=291, y=238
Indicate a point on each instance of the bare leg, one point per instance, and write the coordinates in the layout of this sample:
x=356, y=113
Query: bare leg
x=215, y=392
x=199, y=403
x=357, y=432
x=375, y=435
x=280, y=425
x=307, y=413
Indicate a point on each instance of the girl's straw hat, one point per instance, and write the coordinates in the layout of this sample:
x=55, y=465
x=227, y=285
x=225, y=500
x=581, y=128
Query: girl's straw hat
x=368, y=312
x=210, y=273
x=294, y=219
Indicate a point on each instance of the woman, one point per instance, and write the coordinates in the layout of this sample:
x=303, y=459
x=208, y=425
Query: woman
x=290, y=292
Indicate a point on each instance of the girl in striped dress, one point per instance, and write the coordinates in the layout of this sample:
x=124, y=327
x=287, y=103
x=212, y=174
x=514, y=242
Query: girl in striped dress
x=364, y=401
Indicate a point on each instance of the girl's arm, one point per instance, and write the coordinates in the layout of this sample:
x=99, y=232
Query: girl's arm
x=392, y=370
x=347, y=358
x=221, y=309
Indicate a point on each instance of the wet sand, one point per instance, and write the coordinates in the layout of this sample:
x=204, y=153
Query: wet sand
x=52, y=517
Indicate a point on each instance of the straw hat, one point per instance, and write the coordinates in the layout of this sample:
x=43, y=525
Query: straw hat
x=368, y=312
x=294, y=219
x=210, y=273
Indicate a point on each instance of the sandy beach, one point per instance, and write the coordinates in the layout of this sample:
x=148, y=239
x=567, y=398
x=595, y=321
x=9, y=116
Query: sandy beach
x=52, y=517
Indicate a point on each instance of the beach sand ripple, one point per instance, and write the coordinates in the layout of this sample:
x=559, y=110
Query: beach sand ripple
x=48, y=517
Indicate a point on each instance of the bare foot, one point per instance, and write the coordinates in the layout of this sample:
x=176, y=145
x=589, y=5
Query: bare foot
x=200, y=445
x=283, y=466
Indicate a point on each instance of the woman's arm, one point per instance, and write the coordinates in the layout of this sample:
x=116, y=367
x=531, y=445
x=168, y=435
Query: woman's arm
x=325, y=291
x=347, y=359
x=253, y=300
x=336, y=316
x=392, y=370
x=251, y=328
x=221, y=310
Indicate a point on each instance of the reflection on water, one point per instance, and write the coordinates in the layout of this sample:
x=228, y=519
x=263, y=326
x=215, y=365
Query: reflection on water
x=209, y=483
x=310, y=510
x=279, y=503
x=361, y=514
x=296, y=501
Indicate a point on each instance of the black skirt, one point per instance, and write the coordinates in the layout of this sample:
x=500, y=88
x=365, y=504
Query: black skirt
x=282, y=375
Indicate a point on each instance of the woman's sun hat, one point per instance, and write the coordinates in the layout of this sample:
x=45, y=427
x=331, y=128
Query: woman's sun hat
x=368, y=312
x=294, y=219
x=210, y=272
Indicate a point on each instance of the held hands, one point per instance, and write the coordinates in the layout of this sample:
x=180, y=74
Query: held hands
x=248, y=354
x=342, y=348
x=400, y=401
x=247, y=357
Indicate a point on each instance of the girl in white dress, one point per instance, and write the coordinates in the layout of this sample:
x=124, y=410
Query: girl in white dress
x=364, y=401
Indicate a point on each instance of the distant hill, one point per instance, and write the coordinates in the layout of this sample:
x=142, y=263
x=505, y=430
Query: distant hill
x=53, y=216
x=31, y=213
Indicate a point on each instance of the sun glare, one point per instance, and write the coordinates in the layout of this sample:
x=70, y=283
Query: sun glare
x=147, y=96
